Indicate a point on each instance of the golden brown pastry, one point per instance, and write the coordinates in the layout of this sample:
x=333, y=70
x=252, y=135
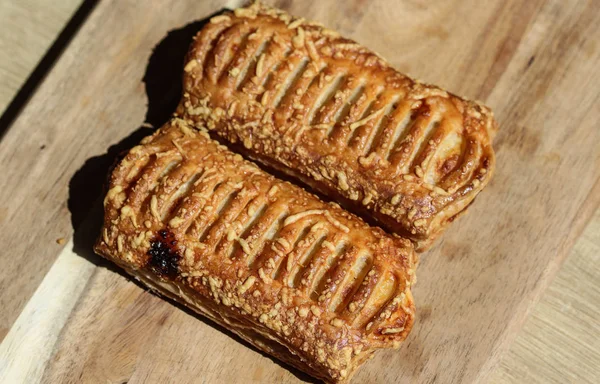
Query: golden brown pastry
x=333, y=114
x=298, y=278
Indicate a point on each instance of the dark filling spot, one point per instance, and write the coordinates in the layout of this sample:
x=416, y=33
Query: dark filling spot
x=449, y=165
x=163, y=255
x=486, y=163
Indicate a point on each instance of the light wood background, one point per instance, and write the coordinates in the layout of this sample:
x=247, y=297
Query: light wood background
x=560, y=340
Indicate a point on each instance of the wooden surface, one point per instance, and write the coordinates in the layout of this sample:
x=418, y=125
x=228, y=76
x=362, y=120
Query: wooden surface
x=28, y=29
x=560, y=341
x=536, y=63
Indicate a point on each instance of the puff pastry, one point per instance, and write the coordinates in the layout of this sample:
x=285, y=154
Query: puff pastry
x=298, y=278
x=324, y=109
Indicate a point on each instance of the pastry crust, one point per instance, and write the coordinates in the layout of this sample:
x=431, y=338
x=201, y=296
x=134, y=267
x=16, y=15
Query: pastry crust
x=327, y=111
x=296, y=277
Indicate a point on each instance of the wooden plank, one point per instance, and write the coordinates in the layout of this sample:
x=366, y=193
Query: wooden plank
x=31, y=339
x=557, y=344
x=147, y=340
x=474, y=287
x=22, y=50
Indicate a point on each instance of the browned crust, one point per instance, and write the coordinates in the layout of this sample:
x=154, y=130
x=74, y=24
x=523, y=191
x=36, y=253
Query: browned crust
x=335, y=115
x=261, y=256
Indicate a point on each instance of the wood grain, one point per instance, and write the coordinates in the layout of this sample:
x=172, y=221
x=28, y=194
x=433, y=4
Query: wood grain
x=22, y=47
x=537, y=66
x=559, y=342
x=36, y=331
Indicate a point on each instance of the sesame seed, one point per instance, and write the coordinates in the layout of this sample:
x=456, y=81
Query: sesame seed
x=190, y=66
x=391, y=331
x=315, y=310
x=231, y=235
x=245, y=246
x=176, y=222
x=303, y=312
x=342, y=181
x=412, y=213
x=259, y=65
x=221, y=18
x=337, y=322
x=247, y=284
x=245, y=12
x=296, y=23
x=264, y=99
x=419, y=171
x=298, y=40
x=440, y=191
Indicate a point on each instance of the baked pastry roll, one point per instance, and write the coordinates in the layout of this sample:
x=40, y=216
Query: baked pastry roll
x=327, y=111
x=298, y=278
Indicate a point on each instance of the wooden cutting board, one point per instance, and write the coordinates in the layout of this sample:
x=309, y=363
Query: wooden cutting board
x=67, y=316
